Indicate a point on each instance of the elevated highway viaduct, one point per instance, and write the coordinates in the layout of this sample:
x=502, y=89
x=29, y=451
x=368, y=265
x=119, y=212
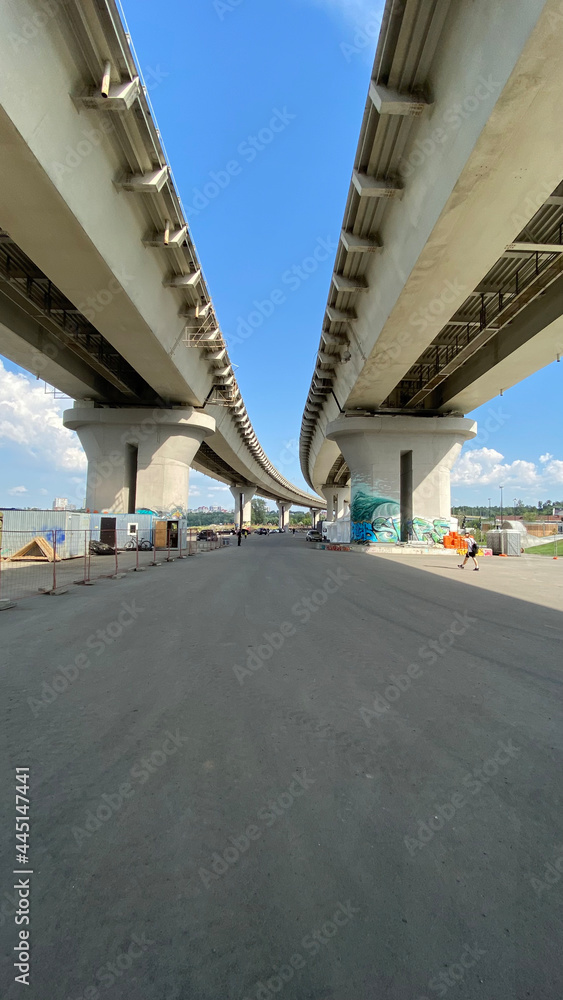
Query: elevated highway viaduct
x=448, y=280
x=101, y=290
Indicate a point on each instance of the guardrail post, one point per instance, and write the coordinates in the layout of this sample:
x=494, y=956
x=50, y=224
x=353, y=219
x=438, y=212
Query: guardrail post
x=54, y=559
x=85, y=555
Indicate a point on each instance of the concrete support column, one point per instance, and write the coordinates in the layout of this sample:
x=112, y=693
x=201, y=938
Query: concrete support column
x=328, y=494
x=337, y=501
x=281, y=512
x=400, y=473
x=138, y=457
x=313, y=512
x=342, y=501
x=243, y=504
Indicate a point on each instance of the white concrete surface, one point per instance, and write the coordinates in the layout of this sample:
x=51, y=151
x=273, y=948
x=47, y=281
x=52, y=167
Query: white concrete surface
x=165, y=442
x=372, y=448
x=247, y=494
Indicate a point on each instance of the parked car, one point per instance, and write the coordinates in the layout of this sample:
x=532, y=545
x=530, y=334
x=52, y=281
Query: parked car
x=314, y=536
x=207, y=535
x=262, y=531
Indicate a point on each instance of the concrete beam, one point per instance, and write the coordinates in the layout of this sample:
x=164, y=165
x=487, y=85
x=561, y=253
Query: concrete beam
x=537, y=247
x=374, y=187
x=206, y=336
x=340, y=315
x=167, y=239
x=183, y=280
x=335, y=339
x=344, y=284
x=390, y=102
x=149, y=183
x=359, y=244
x=200, y=311
x=120, y=97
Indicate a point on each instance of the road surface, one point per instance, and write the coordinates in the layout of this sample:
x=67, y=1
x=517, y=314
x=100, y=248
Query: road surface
x=272, y=770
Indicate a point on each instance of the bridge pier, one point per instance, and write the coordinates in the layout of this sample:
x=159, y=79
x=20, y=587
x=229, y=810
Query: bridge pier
x=281, y=513
x=243, y=504
x=400, y=472
x=337, y=501
x=138, y=457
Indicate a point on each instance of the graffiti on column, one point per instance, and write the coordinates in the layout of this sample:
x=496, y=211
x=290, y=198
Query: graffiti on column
x=378, y=519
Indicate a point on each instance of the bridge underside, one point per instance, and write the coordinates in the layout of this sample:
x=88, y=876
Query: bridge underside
x=448, y=280
x=42, y=331
x=206, y=460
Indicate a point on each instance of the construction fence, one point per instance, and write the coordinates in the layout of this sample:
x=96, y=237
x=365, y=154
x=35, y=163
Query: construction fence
x=32, y=563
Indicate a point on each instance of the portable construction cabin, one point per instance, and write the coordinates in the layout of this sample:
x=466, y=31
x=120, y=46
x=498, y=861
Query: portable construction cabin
x=107, y=527
x=63, y=530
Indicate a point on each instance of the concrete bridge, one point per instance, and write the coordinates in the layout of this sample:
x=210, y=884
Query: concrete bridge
x=448, y=281
x=101, y=290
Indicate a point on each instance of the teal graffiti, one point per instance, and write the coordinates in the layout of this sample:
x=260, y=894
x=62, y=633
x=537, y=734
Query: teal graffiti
x=377, y=520
x=365, y=507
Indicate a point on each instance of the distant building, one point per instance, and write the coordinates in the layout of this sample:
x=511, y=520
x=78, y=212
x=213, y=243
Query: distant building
x=61, y=503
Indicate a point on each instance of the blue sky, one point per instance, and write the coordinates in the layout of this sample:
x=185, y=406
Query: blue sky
x=218, y=73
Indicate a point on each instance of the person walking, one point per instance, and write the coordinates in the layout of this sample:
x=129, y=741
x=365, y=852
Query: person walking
x=239, y=536
x=472, y=550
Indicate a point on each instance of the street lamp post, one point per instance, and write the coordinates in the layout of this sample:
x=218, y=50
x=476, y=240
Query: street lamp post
x=489, y=510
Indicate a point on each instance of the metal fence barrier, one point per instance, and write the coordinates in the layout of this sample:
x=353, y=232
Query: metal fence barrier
x=33, y=563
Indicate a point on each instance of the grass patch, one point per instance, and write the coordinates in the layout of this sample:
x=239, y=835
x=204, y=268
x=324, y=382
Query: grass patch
x=547, y=550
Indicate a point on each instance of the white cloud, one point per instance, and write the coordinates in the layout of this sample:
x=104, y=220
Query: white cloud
x=44, y=493
x=218, y=489
x=31, y=418
x=555, y=471
x=486, y=467
x=17, y=491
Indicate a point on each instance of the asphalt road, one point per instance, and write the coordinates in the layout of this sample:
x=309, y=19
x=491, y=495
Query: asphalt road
x=272, y=770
